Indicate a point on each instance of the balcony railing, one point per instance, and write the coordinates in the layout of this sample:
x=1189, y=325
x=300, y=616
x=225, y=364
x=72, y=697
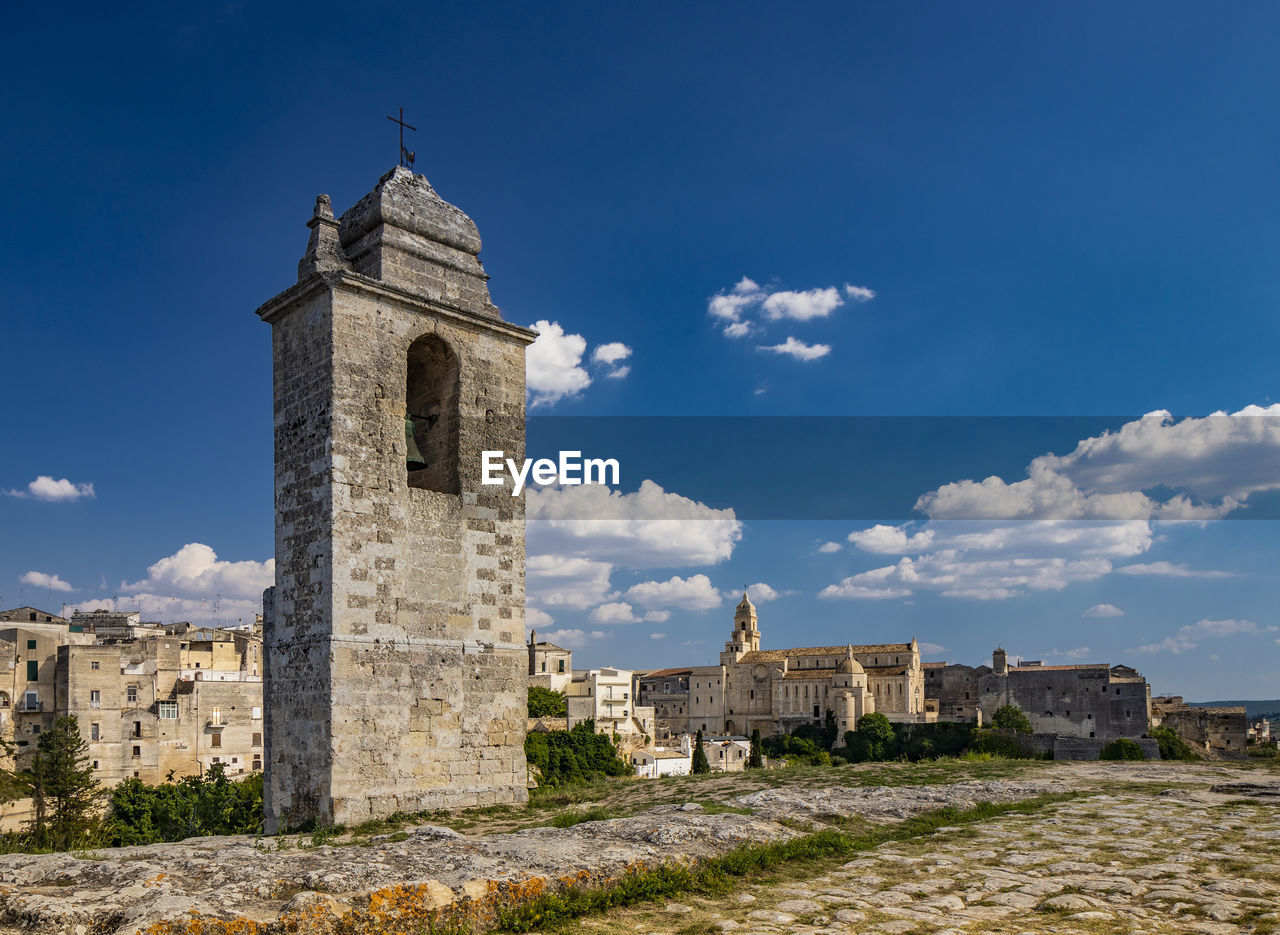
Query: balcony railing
x=25, y=707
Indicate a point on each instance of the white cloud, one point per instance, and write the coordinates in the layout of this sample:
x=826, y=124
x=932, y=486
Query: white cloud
x=649, y=528
x=53, y=491
x=1171, y=570
x=535, y=618
x=609, y=357
x=849, y=589
x=657, y=636
x=932, y=649
x=828, y=547
x=194, y=584
x=573, y=638
x=892, y=540
x=553, y=364
x=39, y=579
x=730, y=306
x=802, y=306
x=798, y=349
x=1080, y=652
x=1103, y=610
x=1210, y=466
x=657, y=616
x=1188, y=638
x=567, y=581
x=195, y=570
x=761, y=592
x=610, y=353
x=614, y=612
x=693, y=593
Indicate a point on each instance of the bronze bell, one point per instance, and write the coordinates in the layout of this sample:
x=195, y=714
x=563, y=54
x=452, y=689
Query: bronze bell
x=413, y=457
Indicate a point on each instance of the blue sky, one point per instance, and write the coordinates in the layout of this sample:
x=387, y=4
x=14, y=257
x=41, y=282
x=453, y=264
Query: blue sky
x=1061, y=211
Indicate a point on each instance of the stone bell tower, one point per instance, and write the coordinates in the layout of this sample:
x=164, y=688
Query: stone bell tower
x=395, y=659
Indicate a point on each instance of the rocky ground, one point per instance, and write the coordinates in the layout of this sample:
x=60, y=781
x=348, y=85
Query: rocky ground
x=1142, y=848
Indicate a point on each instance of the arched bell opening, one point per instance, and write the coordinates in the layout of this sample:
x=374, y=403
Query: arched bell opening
x=431, y=416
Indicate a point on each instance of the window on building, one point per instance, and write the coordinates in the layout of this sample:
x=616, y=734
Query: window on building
x=33, y=670
x=94, y=732
x=544, y=665
x=256, y=713
x=137, y=728
x=31, y=644
x=95, y=764
x=95, y=699
x=215, y=739
x=560, y=666
x=31, y=700
x=257, y=740
x=137, y=752
x=257, y=763
x=167, y=710
x=131, y=694
x=94, y=665
x=431, y=406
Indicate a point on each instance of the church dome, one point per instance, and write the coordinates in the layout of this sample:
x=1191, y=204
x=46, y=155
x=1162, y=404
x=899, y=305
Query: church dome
x=849, y=666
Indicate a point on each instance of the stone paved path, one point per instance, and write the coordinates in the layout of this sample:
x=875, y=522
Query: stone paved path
x=1131, y=862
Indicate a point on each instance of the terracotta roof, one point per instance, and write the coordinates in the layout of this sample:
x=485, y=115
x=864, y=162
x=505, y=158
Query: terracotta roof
x=545, y=646
x=886, y=670
x=665, y=673
x=933, y=665
x=777, y=655
x=815, y=674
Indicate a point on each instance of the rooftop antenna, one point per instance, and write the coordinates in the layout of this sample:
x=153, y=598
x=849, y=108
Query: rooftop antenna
x=406, y=156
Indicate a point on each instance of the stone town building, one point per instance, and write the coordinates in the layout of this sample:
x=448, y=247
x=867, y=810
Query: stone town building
x=606, y=696
x=1091, y=701
x=395, y=656
x=178, y=702
x=778, y=690
x=550, y=666
x=1211, y=731
x=667, y=692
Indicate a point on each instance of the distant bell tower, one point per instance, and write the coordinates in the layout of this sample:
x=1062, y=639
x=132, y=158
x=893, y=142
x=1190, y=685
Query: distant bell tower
x=395, y=658
x=746, y=633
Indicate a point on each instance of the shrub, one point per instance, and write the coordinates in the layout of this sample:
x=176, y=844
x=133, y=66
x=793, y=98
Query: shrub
x=1010, y=717
x=193, y=806
x=1172, y=746
x=755, y=761
x=997, y=743
x=577, y=755
x=543, y=702
x=1122, y=748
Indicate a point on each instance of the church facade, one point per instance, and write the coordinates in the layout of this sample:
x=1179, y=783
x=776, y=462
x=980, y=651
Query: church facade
x=777, y=690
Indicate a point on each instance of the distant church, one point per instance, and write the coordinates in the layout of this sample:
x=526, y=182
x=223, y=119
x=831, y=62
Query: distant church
x=778, y=690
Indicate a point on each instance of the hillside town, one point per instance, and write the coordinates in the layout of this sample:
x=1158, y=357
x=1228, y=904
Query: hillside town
x=158, y=700
x=1074, y=710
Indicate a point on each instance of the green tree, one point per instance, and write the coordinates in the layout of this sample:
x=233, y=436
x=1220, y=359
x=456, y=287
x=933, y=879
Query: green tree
x=1010, y=717
x=874, y=736
x=700, y=764
x=1172, y=746
x=1122, y=748
x=755, y=760
x=543, y=702
x=64, y=792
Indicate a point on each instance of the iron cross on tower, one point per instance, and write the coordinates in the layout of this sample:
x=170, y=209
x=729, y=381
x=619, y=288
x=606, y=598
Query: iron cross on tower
x=406, y=156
